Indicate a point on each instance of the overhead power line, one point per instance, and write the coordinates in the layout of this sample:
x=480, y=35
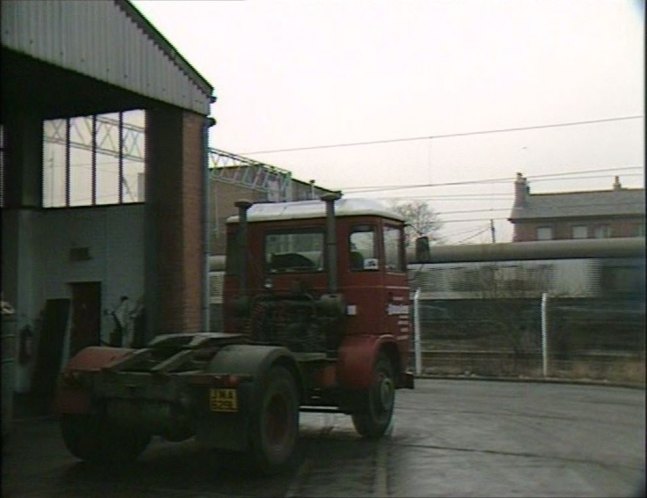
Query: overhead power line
x=483, y=197
x=476, y=220
x=458, y=233
x=480, y=232
x=487, y=210
x=377, y=188
x=447, y=135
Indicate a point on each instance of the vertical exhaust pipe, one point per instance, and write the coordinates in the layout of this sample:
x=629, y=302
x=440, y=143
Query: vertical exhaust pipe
x=331, y=239
x=242, y=205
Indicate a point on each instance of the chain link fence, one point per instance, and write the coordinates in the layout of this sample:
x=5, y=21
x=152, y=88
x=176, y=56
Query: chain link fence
x=585, y=338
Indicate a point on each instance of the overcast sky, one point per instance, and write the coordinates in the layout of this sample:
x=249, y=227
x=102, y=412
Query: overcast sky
x=298, y=74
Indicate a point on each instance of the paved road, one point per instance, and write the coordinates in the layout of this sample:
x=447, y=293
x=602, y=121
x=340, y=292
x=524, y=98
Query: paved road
x=450, y=438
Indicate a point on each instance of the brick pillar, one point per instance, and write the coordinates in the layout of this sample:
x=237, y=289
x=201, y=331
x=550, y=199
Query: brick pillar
x=174, y=221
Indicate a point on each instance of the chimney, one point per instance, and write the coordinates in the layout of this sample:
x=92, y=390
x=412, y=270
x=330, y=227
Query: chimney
x=521, y=191
x=616, y=184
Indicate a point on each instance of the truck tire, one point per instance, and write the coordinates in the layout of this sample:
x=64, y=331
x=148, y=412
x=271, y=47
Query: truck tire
x=94, y=439
x=275, y=424
x=376, y=411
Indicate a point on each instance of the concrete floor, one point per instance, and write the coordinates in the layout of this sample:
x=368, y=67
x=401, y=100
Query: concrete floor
x=450, y=438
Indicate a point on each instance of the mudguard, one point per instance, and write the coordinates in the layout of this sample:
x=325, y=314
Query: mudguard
x=230, y=431
x=94, y=358
x=356, y=358
x=71, y=397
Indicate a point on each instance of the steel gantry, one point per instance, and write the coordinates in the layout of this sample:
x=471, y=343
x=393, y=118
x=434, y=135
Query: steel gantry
x=238, y=170
x=113, y=136
x=103, y=134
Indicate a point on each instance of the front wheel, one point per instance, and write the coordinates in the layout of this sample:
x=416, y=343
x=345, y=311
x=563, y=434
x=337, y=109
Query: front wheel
x=275, y=425
x=93, y=438
x=374, y=416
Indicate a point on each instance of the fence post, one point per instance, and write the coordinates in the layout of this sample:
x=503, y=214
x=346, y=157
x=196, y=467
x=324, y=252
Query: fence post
x=544, y=333
x=416, y=331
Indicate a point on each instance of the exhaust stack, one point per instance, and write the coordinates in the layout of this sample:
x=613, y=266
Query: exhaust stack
x=243, y=205
x=331, y=239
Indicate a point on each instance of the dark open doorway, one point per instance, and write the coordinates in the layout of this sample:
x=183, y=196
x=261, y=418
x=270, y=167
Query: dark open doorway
x=50, y=352
x=86, y=315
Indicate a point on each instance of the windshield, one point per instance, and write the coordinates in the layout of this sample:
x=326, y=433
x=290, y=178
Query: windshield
x=294, y=251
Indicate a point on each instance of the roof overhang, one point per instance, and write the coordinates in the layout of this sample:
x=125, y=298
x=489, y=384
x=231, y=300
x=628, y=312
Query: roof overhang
x=110, y=43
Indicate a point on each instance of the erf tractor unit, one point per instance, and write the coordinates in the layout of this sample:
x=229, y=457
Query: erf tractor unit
x=316, y=318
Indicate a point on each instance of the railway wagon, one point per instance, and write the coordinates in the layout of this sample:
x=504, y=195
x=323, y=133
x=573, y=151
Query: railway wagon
x=472, y=294
x=589, y=268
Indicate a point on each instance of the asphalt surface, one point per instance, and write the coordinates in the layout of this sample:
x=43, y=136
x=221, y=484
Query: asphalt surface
x=450, y=438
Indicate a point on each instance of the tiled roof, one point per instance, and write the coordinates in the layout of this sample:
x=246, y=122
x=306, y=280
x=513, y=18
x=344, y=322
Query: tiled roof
x=620, y=202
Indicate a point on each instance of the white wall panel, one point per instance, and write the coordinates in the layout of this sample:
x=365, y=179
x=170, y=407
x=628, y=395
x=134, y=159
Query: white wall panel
x=115, y=238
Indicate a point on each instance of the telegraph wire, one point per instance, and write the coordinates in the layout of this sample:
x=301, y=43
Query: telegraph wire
x=495, y=196
x=475, y=220
x=457, y=233
x=595, y=177
x=447, y=135
x=465, y=211
x=480, y=232
x=448, y=198
x=375, y=188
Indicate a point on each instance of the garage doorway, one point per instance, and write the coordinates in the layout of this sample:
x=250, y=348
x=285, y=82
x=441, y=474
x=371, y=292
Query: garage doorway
x=86, y=315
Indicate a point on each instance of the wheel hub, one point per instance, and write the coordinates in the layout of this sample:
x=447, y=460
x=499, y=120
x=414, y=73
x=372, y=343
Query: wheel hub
x=277, y=417
x=385, y=393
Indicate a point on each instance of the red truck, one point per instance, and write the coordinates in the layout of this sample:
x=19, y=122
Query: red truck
x=316, y=318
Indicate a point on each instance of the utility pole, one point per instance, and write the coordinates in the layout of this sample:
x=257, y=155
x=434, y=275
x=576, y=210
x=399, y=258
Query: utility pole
x=492, y=230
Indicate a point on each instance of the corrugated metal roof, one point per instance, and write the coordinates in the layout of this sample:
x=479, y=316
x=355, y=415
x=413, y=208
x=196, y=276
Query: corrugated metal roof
x=107, y=40
x=620, y=202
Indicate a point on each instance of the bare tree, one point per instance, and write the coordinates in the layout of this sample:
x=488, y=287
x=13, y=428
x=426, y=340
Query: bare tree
x=422, y=221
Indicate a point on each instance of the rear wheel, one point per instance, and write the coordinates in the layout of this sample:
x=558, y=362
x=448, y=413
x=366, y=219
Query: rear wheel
x=275, y=425
x=93, y=438
x=376, y=410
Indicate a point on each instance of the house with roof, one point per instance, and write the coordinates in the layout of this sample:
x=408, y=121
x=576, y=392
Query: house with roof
x=618, y=212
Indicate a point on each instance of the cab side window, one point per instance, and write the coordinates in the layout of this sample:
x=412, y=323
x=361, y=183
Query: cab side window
x=393, y=248
x=363, y=251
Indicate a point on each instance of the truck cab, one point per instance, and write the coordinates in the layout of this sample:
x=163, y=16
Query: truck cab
x=328, y=281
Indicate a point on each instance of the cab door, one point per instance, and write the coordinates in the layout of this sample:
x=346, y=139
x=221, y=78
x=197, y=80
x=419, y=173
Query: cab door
x=396, y=289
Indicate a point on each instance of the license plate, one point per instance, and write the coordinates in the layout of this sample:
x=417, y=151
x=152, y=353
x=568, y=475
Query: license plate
x=223, y=400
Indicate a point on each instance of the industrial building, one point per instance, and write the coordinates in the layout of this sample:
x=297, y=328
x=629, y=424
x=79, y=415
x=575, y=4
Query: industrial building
x=89, y=213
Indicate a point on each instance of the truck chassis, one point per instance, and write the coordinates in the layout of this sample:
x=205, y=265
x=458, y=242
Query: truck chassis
x=243, y=391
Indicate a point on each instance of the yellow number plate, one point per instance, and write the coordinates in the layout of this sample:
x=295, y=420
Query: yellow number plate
x=223, y=400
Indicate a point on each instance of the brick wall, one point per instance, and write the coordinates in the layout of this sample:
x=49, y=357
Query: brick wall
x=563, y=229
x=174, y=252
x=192, y=221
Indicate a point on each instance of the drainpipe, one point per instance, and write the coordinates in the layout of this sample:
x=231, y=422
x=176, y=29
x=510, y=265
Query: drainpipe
x=242, y=205
x=331, y=239
x=206, y=191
